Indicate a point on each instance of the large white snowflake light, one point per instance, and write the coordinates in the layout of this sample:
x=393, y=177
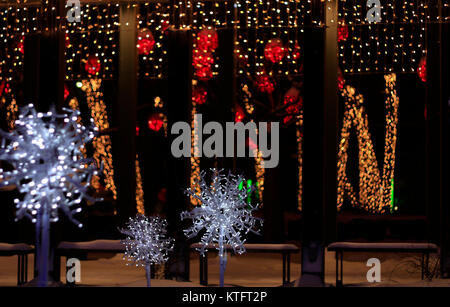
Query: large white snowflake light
x=49, y=169
x=48, y=166
x=224, y=214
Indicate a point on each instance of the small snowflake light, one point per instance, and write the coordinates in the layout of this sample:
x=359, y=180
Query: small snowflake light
x=224, y=215
x=147, y=243
x=49, y=169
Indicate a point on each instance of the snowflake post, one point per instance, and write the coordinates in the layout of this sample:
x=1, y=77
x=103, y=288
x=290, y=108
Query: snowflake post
x=224, y=215
x=147, y=243
x=49, y=169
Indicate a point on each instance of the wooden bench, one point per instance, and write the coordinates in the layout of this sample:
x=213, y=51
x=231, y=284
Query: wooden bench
x=79, y=249
x=340, y=247
x=284, y=249
x=21, y=250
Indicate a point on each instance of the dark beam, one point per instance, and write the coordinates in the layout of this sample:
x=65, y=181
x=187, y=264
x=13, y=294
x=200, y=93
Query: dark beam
x=320, y=146
x=437, y=110
x=178, y=172
x=126, y=107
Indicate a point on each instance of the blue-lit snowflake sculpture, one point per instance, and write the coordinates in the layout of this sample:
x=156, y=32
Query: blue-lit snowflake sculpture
x=49, y=168
x=224, y=214
x=147, y=242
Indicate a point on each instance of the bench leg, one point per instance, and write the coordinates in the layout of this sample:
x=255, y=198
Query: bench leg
x=19, y=269
x=339, y=275
x=22, y=269
x=425, y=264
x=57, y=267
x=288, y=268
x=26, y=269
x=203, y=262
x=284, y=269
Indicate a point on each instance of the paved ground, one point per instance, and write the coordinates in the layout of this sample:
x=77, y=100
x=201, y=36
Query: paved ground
x=245, y=270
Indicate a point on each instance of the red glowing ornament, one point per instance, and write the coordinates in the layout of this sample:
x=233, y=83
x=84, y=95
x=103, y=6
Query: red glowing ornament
x=20, y=45
x=202, y=62
x=4, y=88
x=422, y=69
x=342, y=33
x=92, y=65
x=207, y=40
x=66, y=92
x=156, y=121
x=264, y=84
x=239, y=115
x=146, y=42
x=242, y=57
x=137, y=130
x=296, y=52
x=341, y=80
x=67, y=40
x=199, y=95
x=295, y=104
x=250, y=143
x=165, y=24
x=275, y=51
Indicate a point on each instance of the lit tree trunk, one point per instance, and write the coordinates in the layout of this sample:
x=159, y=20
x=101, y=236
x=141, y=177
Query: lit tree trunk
x=148, y=269
x=43, y=245
x=223, y=259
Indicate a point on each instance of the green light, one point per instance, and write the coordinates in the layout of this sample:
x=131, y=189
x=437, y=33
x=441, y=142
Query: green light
x=241, y=185
x=392, y=196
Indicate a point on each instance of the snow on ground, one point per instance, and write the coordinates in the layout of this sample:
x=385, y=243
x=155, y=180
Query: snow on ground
x=245, y=270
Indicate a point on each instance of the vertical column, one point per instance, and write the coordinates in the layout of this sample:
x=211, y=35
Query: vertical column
x=178, y=109
x=227, y=86
x=445, y=167
x=437, y=118
x=320, y=145
x=331, y=121
x=126, y=110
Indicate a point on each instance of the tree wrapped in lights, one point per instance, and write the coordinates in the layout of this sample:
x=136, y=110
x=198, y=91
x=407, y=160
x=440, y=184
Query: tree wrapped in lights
x=49, y=169
x=224, y=215
x=146, y=243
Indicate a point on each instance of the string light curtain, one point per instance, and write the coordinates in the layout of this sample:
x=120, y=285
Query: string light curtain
x=154, y=17
x=96, y=35
x=396, y=44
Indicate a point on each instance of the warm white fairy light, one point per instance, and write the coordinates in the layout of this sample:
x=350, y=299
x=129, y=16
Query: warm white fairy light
x=49, y=169
x=374, y=186
x=147, y=242
x=224, y=214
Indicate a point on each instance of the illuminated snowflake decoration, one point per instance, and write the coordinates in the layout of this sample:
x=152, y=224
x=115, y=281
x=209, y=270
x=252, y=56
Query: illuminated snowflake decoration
x=224, y=214
x=147, y=242
x=49, y=168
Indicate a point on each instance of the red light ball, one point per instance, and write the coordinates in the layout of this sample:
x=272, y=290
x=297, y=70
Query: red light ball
x=66, y=92
x=199, y=95
x=274, y=51
x=342, y=33
x=20, y=45
x=207, y=40
x=155, y=122
x=92, y=65
x=422, y=69
x=239, y=115
x=296, y=52
x=146, y=42
x=264, y=84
